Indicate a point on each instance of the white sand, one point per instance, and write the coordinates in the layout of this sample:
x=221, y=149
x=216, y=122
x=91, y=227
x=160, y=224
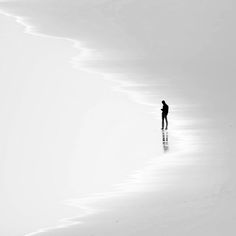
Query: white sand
x=182, y=51
x=186, y=194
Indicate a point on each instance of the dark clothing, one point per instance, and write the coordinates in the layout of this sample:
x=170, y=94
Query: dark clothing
x=165, y=110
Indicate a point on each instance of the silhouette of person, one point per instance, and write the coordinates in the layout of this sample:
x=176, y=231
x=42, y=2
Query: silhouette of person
x=165, y=110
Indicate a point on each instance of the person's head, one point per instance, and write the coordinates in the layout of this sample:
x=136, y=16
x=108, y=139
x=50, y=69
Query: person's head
x=163, y=102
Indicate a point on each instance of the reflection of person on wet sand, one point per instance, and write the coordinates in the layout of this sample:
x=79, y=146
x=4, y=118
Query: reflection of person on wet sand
x=165, y=110
x=165, y=140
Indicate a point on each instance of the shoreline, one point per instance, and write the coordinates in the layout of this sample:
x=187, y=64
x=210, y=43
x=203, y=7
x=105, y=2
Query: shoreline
x=194, y=180
x=120, y=189
x=152, y=184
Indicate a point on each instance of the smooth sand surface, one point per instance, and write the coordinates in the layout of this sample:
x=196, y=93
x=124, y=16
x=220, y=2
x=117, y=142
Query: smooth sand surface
x=184, y=52
x=189, y=193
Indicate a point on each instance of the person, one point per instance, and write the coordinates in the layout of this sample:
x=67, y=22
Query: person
x=165, y=110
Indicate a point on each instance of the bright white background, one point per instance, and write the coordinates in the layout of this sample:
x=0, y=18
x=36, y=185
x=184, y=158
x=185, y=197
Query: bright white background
x=64, y=132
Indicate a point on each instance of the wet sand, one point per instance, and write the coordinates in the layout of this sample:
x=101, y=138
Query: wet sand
x=178, y=193
x=183, y=52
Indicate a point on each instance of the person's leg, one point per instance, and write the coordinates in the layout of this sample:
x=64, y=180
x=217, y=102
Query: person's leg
x=166, y=122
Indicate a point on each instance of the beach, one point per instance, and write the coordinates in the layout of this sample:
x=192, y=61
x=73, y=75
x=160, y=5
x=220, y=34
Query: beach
x=91, y=108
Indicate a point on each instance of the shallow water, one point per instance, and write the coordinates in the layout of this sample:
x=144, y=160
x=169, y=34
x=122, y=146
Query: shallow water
x=154, y=44
x=182, y=51
x=63, y=132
